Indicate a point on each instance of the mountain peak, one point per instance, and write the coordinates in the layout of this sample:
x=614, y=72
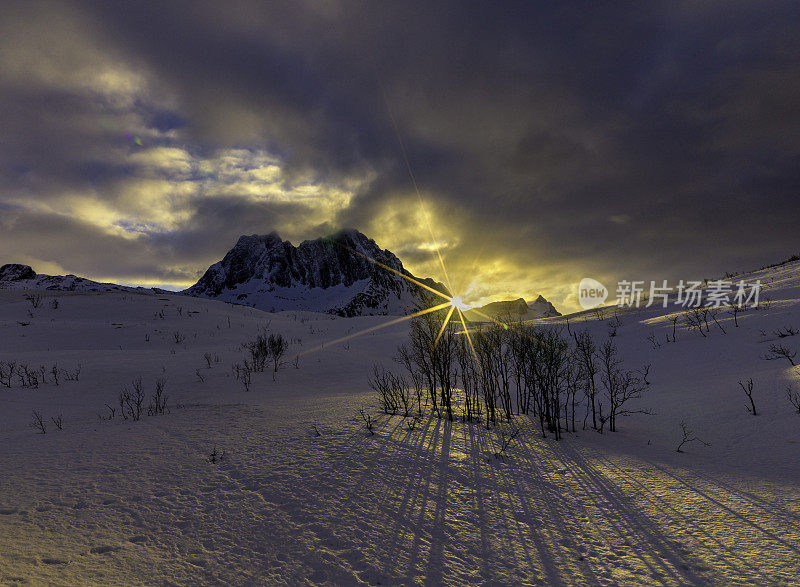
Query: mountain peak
x=343, y=273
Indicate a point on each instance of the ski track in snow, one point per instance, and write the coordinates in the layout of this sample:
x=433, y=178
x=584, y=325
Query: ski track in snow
x=116, y=501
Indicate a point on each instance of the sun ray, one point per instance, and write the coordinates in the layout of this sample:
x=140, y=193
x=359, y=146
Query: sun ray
x=414, y=183
x=376, y=327
x=444, y=324
x=466, y=332
x=403, y=275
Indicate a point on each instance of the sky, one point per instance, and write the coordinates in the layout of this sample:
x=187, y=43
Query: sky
x=549, y=141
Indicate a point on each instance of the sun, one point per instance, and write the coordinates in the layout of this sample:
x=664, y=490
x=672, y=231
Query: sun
x=458, y=303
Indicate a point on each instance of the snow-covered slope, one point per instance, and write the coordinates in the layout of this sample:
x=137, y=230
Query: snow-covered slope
x=344, y=274
x=299, y=492
x=17, y=276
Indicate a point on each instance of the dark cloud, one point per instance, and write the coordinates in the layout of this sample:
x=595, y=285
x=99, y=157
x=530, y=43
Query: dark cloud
x=551, y=141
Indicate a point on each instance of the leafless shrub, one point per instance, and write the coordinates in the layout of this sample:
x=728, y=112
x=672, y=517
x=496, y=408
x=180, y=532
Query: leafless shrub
x=653, y=340
x=131, y=401
x=7, y=370
x=35, y=300
x=505, y=440
x=779, y=352
x=785, y=332
x=216, y=456
x=644, y=372
x=259, y=352
x=54, y=304
x=73, y=375
x=734, y=310
x=688, y=437
x=38, y=422
x=277, y=348
x=158, y=401
x=794, y=398
x=178, y=337
x=243, y=372
x=111, y=412
x=59, y=422
x=695, y=318
x=55, y=374
x=367, y=421
x=27, y=377
x=747, y=388
x=392, y=391
x=208, y=357
x=199, y=375
x=713, y=312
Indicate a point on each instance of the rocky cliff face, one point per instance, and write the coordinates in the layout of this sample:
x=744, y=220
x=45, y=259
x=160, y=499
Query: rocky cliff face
x=16, y=272
x=345, y=273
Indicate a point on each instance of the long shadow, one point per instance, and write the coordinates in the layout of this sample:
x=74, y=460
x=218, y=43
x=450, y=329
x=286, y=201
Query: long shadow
x=622, y=515
x=786, y=516
x=433, y=572
x=639, y=488
x=415, y=488
x=730, y=510
x=553, y=565
x=575, y=504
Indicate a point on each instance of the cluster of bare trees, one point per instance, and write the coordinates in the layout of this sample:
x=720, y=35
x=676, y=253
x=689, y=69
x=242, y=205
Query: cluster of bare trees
x=24, y=375
x=265, y=349
x=131, y=400
x=506, y=369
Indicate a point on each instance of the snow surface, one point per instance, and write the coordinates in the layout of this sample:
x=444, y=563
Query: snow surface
x=108, y=501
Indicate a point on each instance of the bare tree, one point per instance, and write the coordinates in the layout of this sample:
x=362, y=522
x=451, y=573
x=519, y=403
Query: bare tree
x=785, y=332
x=38, y=422
x=694, y=319
x=367, y=421
x=794, y=398
x=35, y=300
x=674, y=320
x=59, y=422
x=7, y=369
x=505, y=440
x=158, y=401
x=620, y=386
x=277, y=348
x=688, y=436
x=734, y=310
x=243, y=373
x=780, y=352
x=748, y=391
x=587, y=355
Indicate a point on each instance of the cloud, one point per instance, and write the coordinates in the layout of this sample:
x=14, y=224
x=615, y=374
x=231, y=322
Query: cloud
x=550, y=142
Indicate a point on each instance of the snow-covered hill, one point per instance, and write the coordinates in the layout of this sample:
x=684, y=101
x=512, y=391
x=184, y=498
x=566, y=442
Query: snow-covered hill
x=283, y=484
x=23, y=277
x=344, y=274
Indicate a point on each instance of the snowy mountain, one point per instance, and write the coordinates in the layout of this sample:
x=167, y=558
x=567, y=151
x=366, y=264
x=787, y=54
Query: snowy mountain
x=340, y=274
x=517, y=309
